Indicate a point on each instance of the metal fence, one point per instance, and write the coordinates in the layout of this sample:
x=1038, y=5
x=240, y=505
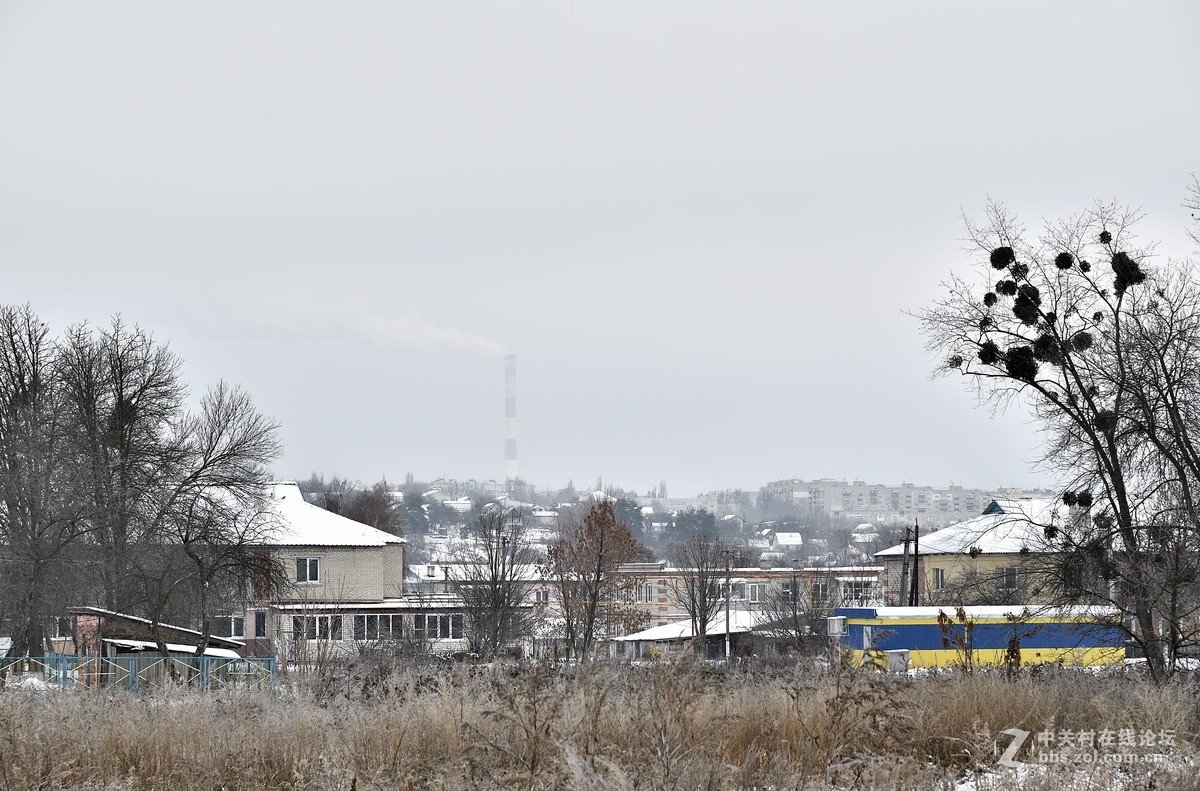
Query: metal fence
x=144, y=672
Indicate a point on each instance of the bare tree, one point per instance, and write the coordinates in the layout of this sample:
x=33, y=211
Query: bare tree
x=109, y=490
x=375, y=506
x=794, y=611
x=1105, y=357
x=702, y=561
x=38, y=517
x=125, y=396
x=493, y=582
x=372, y=505
x=591, y=593
x=216, y=512
x=332, y=494
x=1192, y=203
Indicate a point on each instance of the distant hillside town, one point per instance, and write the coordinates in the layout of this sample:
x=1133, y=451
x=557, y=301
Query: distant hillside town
x=828, y=518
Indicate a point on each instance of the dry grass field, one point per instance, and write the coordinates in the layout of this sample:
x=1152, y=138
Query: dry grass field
x=667, y=726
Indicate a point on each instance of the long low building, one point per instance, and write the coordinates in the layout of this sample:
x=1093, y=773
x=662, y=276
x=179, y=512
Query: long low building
x=678, y=636
x=983, y=636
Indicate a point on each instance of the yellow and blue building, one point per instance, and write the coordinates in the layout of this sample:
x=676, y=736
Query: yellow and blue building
x=982, y=635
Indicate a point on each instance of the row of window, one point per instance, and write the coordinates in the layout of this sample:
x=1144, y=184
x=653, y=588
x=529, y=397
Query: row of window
x=235, y=625
x=382, y=626
x=757, y=592
x=365, y=627
x=1006, y=578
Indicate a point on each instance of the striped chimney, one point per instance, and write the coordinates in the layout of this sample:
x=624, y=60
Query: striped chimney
x=510, y=417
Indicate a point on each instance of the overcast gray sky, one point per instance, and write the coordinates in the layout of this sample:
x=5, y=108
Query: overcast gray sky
x=695, y=224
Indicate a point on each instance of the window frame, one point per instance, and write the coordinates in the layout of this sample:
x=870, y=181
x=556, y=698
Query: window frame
x=236, y=623
x=324, y=627
x=371, y=627
x=446, y=626
x=310, y=562
x=858, y=591
x=1006, y=573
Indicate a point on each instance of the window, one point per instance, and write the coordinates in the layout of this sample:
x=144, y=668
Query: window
x=385, y=626
x=431, y=571
x=317, y=627
x=329, y=627
x=820, y=593
x=790, y=591
x=1073, y=580
x=308, y=571
x=939, y=579
x=758, y=592
x=260, y=624
x=438, y=627
x=1010, y=578
x=228, y=626
x=64, y=629
x=857, y=591
x=645, y=592
x=542, y=596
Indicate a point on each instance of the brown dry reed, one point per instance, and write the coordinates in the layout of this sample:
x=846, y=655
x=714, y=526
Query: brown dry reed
x=664, y=726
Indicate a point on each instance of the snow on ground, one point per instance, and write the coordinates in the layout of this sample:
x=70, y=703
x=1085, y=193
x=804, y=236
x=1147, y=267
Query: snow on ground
x=30, y=683
x=1086, y=777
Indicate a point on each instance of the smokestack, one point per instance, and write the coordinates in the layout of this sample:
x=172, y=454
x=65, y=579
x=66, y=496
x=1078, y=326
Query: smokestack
x=510, y=417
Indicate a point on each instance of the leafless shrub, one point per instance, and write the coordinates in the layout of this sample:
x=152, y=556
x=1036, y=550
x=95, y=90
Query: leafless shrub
x=668, y=727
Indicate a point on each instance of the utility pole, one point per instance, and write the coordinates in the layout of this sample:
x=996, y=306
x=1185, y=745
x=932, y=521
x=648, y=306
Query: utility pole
x=904, y=569
x=912, y=592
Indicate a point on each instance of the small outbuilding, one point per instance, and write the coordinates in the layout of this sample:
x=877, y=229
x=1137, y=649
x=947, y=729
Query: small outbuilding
x=673, y=638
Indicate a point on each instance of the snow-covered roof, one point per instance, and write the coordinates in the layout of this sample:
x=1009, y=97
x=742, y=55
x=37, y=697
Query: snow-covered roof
x=996, y=611
x=789, y=539
x=1005, y=527
x=458, y=570
x=739, y=621
x=427, y=601
x=301, y=524
x=864, y=534
x=174, y=648
x=121, y=616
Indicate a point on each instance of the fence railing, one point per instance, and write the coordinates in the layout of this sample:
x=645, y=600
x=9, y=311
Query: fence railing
x=138, y=673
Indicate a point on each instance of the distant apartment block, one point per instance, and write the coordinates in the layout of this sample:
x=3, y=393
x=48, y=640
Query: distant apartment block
x=663, y=505
x=934, y=506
